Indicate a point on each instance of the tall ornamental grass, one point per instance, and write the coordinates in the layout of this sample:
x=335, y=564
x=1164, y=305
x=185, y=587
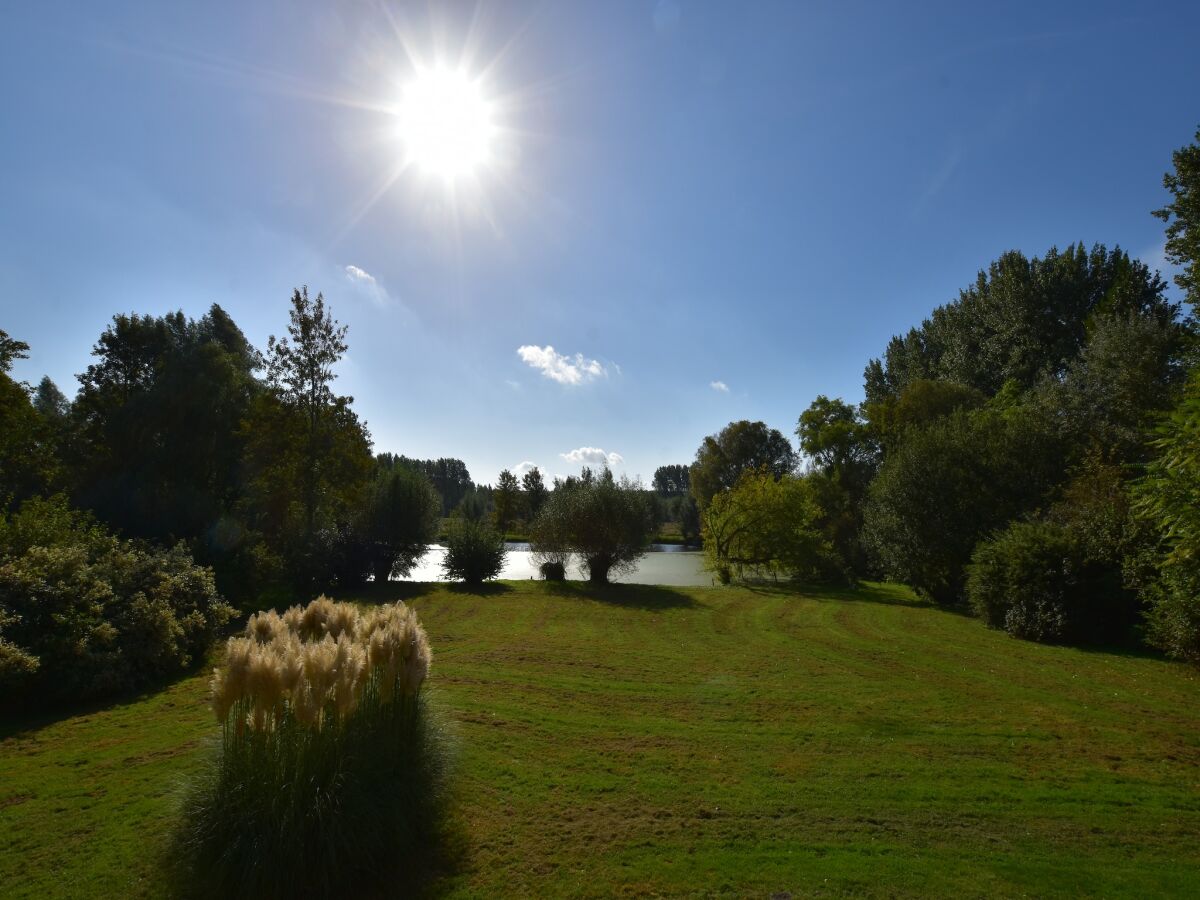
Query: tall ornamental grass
x=330, y=770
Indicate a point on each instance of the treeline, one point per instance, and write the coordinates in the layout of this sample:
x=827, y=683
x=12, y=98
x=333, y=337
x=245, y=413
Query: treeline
x=256, y=477
x=1030, y=451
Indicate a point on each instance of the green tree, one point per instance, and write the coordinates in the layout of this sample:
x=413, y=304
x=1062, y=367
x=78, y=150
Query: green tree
x=920, y=402
x=950, y=484
x=1022, y=320
x=843, y=452
x=672, y=480
x=308, y=455
x=739, y=447
x=474, y=552
x=604, y=521
x=50, y=402
x=155, y=446
x=1166, y=498
x=399, y=521
x=27, y=461
x=535, y=490
x=11, y=350
x=1127, y=375
x=765, y=525
x=507, y=498
x=1182, y=216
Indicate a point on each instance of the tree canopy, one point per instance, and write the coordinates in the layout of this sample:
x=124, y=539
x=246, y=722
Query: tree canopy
x=739, y=447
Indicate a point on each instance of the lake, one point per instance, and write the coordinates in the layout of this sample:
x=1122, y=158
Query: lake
x=664, y=564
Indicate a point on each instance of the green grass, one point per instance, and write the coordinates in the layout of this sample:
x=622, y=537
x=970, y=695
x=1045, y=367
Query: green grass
x=647, y=740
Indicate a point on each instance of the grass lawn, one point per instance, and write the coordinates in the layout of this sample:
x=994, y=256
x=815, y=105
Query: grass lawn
x=710, y=741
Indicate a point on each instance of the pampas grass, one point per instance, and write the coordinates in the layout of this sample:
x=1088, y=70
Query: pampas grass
x=331, y=766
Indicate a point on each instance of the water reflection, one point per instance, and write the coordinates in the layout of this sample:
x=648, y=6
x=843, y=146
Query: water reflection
x=664, y=564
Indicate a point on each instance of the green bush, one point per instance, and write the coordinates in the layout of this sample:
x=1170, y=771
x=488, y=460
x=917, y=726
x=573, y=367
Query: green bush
x=331, y=770
x=1166, y=499
x=474, y=552
x=950, y=484
x=83, y=614
x=1035, y=581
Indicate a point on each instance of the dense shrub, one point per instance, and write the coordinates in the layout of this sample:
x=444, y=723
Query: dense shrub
x=1036, y=581
x=1166, y=500
x=474, y=552
x=330, y=767
x=83, y=614
x=948, y=485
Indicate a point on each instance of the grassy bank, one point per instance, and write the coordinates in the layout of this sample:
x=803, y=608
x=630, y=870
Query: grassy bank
x=703, y=741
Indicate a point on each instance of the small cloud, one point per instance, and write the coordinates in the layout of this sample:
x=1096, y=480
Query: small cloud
x=560, y=367
x=357, y=274
x=592, y=456
x=524, y=466
x=367, y=283
x=515, y=385
x=720, y=386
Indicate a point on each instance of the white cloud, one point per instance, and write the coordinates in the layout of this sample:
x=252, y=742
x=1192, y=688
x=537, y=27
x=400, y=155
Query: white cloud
x=367, y=283
x=719, y=386
x=356, y=274
x=522, y=467
x=560, y=367
x=515, y=385
x=592, y=456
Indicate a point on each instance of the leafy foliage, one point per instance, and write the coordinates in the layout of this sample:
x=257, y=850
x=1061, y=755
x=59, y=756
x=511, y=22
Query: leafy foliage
x=672, y=480
x=1036, y=581
x=535, y=489
x=767, y=526
x=1022, y=320
x=950, y=484
x=507, y=499
x=1166, y=498
x=1182, y=216
x=474, y=552
x=83, y=614
x=606, y=522
x=399, y=518
x=739, y=447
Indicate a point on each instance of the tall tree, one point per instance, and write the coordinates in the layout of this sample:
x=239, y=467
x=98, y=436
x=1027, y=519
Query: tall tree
x=11, y=350
x=737, y=448
x=1182, y=216
x=507, y=497
x=300, y=370
x=156, y=444
x=535, y=490
x=308, y=455
x=26, y=457
x=1022, y=319
x=672, y=480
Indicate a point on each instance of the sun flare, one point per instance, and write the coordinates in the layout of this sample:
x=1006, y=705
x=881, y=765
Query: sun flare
x=446, y=123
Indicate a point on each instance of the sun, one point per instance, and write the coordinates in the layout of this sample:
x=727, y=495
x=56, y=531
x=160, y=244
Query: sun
x=446, y=123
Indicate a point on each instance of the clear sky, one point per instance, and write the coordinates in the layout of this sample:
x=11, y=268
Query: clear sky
x=710, y=211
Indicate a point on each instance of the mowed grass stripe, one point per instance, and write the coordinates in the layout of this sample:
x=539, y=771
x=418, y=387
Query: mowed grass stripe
x=707, y=742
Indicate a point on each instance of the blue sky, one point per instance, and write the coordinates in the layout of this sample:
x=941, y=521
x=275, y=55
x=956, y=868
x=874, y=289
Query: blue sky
x=754, y=196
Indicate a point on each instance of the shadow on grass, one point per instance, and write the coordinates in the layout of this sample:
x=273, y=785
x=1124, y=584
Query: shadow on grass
x=15, y=723
x=630, y=596
x=863, y=592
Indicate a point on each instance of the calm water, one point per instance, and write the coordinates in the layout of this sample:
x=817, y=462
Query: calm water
x=664, y=564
